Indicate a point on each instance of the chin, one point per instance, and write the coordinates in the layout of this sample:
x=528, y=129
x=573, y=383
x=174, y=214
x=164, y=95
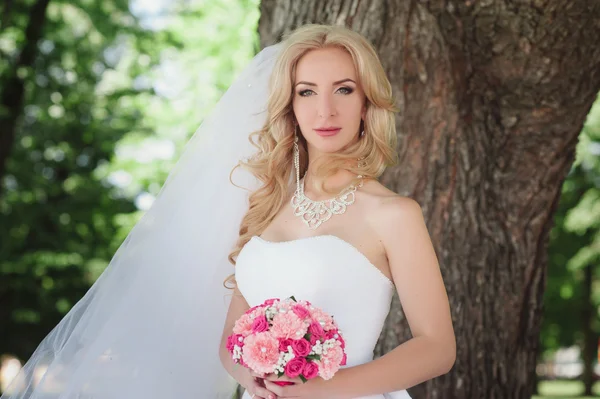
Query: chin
x=330, y=144
x=329, y=148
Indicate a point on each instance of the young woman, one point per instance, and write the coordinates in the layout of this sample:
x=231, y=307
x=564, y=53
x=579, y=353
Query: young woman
x=333, y=234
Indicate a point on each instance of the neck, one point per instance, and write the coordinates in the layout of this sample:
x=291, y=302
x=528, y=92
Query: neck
x=313, y=183
x=336, y=183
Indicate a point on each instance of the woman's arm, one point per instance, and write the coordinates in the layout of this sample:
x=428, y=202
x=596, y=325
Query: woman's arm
x=416, y=273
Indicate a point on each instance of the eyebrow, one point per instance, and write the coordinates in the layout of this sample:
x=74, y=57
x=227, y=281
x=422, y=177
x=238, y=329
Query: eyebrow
x=334, y=83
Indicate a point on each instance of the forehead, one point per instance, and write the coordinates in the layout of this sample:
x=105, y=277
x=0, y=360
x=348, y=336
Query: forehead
x=327, y=64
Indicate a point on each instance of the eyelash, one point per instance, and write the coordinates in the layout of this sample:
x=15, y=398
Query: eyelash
x=349, y=89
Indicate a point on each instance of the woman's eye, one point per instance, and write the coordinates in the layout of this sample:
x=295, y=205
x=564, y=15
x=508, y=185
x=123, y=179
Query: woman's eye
x=308, y=92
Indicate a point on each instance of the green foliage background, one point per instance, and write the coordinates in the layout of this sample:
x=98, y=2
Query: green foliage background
x=574, y=245
x=115, y=91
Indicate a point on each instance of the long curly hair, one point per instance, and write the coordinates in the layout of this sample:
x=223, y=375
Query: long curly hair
x=272, y=164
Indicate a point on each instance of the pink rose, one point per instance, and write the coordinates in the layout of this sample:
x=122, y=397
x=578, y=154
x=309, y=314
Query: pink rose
x=343, y=362
x=260, y=324
x=269, y=302
x=313, y=339
x=233, y=340
x=301, y=311
x=230, y=343
x=316, y=329
x=284, y=343
x=310, y=370
x=294, y=367
x=301, y=347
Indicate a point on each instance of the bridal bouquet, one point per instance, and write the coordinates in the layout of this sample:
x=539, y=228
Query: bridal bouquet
x=288, y=337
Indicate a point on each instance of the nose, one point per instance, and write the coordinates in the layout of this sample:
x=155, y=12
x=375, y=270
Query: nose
x=326, y=106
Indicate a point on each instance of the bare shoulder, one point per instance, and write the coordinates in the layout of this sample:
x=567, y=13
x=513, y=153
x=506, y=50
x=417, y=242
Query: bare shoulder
x=389, y=211
x=385, y=203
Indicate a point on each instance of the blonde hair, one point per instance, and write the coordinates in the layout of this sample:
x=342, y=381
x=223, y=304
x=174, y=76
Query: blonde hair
x=272, y=164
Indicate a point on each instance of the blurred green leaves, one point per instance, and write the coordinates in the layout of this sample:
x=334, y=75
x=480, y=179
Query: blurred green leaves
x=115, y=90
x=575, y=245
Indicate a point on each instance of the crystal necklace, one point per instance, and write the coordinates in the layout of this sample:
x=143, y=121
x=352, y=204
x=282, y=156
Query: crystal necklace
x=315, y=213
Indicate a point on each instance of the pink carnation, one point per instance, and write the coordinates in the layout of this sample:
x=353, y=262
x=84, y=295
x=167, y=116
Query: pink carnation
x=288, y=325
x=320, y=316
x=244, y=324
x=253, y=308
x=261, y=352
x=330, y=363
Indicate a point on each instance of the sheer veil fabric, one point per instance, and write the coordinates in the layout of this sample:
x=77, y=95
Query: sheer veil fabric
x=150, y=326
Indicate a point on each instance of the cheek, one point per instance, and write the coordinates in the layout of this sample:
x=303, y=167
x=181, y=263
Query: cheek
x=352, y=108
x=301, y=111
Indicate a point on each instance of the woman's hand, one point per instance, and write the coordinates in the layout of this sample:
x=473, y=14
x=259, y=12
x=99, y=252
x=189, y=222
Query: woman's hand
x=254, y=385
x=316, y=388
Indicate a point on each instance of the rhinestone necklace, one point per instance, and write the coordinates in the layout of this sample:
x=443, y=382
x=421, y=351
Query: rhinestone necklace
x=315, y=213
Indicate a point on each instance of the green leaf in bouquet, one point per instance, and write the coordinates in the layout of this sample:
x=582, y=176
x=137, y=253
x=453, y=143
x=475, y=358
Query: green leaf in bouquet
x=307, y=336
x=293, y=299
x=303, y=378
x=313, y=357
x=280, y=374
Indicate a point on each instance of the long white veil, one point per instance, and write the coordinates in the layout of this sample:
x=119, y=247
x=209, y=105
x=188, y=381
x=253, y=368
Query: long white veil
x=150, y=326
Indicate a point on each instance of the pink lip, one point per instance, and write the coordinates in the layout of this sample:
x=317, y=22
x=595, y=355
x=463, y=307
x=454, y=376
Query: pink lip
x=328, y=131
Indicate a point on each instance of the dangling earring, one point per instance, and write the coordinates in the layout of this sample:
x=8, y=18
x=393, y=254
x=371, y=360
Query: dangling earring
x=362, y=133
x=296, y=158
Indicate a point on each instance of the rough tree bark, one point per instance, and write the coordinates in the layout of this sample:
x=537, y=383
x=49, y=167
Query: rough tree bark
x=493, y=94
x=13, y=90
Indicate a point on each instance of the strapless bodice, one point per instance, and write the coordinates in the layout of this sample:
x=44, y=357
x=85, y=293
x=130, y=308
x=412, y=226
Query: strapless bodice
x=330, y=273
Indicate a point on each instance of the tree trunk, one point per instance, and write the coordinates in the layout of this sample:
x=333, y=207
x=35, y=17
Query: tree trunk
x=589, y=338
x=13, y=90
x=493, y=95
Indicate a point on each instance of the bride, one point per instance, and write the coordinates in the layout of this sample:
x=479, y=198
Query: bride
x=305, y=216
x=334, y=235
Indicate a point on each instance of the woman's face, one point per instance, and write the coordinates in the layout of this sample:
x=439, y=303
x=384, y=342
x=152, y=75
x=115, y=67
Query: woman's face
x=328, y=102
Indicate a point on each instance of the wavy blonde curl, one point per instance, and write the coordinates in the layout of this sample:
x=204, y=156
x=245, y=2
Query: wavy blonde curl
x=272, y=164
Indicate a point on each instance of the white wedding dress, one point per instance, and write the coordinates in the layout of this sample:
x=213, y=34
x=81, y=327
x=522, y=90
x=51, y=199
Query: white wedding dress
x=330, y=273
